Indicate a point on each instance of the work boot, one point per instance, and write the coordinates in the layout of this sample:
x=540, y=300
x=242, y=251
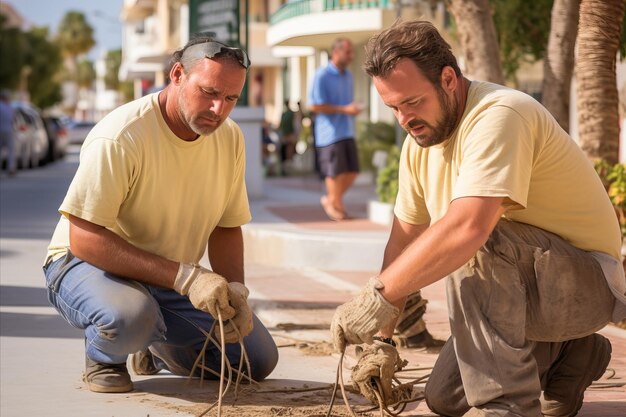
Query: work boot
x=421, y=340
x=581, y=362
x=142, y=363
x=104, y=377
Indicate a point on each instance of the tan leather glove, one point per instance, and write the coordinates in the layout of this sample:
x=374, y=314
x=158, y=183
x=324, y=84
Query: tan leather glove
x=374, y=371
x=242, y=319
x=358, y=320
x=207, y=290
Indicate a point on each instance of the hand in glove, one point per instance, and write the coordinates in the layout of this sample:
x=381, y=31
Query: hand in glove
x=242, y=319
x=374, y=371
x=207, y=290
x=358, y=320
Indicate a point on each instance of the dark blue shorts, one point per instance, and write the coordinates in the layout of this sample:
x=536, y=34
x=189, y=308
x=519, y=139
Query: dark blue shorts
x=338, y=157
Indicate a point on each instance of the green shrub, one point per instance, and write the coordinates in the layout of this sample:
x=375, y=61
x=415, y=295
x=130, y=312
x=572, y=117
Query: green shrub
x=614, y=180
x=387, y=180
x=372, y=137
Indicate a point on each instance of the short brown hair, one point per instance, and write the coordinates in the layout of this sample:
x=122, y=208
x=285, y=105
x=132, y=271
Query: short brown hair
x=416, y=40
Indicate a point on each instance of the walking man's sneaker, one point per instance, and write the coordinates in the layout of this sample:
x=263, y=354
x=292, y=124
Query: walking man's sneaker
x=104, y=377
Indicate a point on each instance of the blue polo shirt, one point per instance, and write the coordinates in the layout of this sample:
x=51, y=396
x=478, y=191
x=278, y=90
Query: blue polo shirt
x=330, y=86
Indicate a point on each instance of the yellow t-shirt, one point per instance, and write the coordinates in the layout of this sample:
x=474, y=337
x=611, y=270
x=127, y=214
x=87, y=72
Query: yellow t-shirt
x=153, y=189
x=508, y=145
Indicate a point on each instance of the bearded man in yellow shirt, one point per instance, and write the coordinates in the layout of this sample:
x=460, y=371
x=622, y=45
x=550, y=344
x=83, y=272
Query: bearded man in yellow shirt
x=496, y=197
x=159, y=179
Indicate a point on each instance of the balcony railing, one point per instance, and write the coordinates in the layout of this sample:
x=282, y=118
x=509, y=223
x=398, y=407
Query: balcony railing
x=303, y=7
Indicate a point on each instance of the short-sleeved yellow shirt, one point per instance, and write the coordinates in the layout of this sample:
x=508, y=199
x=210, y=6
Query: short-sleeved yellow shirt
x=153, y=189
x=508, y=145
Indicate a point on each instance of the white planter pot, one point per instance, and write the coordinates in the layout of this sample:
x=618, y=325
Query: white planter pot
x=380, y=213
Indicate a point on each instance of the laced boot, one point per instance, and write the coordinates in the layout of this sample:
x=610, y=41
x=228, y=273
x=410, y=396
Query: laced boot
x=104, y=377
x=142, y=363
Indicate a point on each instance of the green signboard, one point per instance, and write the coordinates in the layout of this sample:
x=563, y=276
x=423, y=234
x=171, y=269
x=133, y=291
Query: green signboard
x=218, y=17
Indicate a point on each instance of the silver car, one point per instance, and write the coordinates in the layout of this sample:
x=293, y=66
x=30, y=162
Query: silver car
x=31, y=140
x=77, y=131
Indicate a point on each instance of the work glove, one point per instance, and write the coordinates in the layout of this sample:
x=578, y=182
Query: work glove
x=242, y=320
x=374, y=371
x=207, y=290
x=358, y=320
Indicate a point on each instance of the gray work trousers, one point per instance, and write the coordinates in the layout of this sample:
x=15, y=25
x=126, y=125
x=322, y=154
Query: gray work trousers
x=513, y=307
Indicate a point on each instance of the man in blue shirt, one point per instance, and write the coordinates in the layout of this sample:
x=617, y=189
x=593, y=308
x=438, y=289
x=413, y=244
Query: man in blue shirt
x=332, y=99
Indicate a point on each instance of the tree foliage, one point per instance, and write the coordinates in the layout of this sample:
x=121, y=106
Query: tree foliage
x=523, y=28
x=113, y=62
x=75, y=34
x=33, y=56
x=12, y=45
x=44, y=61
x=86, y=74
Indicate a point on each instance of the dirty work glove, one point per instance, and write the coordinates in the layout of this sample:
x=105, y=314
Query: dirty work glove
x=358, y=320
x=207, y=290
x=376, y=365
x=238, y=294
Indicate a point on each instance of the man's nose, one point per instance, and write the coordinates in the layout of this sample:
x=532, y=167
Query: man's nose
x=217, y=106
x=403, y=117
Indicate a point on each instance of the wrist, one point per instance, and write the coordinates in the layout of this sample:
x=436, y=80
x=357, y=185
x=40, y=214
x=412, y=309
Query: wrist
x=185, y=276
x=387, y=340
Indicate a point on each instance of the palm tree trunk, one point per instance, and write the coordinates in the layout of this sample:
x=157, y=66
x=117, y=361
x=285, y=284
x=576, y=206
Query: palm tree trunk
x=558, y=65
x=597, y=99
x=478, y=38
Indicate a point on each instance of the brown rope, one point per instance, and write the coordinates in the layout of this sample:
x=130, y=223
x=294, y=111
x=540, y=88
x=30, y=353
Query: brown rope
x=392, y=409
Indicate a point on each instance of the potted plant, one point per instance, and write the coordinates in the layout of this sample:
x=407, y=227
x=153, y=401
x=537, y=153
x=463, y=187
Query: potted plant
x=381, y=211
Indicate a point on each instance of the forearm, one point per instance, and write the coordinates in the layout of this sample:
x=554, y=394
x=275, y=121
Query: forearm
x=402, y=234
x=105, y=250
x=326, y=108
x=226, y=253
x=441, y=249
x=351, y=109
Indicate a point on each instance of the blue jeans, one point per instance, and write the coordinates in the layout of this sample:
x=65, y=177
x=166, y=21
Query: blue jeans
x=122, y=316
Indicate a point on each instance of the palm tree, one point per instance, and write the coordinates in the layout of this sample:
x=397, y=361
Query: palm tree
x=477, y=35
x=75, y=34
x=75, y=37
x=599, y=35
x=558, y=64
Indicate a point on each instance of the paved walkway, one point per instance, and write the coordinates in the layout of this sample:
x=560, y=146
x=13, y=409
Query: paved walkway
x=294, y=289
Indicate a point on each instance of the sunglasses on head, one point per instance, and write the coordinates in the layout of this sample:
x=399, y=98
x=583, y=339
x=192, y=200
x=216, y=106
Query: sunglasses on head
x=210, y=49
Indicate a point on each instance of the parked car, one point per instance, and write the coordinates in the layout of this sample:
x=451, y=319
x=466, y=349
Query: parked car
x=77, y=131
x=58, y=138
x=31, y=140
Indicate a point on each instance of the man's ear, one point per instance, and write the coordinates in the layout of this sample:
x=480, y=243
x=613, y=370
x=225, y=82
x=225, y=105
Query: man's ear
x=176, y=73
x=448, y=79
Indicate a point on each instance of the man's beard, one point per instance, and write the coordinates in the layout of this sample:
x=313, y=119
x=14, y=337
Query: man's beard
x=191, y=122
x=443, y=128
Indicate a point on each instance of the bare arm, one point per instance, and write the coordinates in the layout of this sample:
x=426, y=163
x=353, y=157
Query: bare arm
x=443, y=247
x=401, y=236
x=226, y=253
x=104, y=249
x=351, y=109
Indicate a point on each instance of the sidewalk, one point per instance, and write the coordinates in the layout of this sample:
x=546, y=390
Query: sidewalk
x=299, y=268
